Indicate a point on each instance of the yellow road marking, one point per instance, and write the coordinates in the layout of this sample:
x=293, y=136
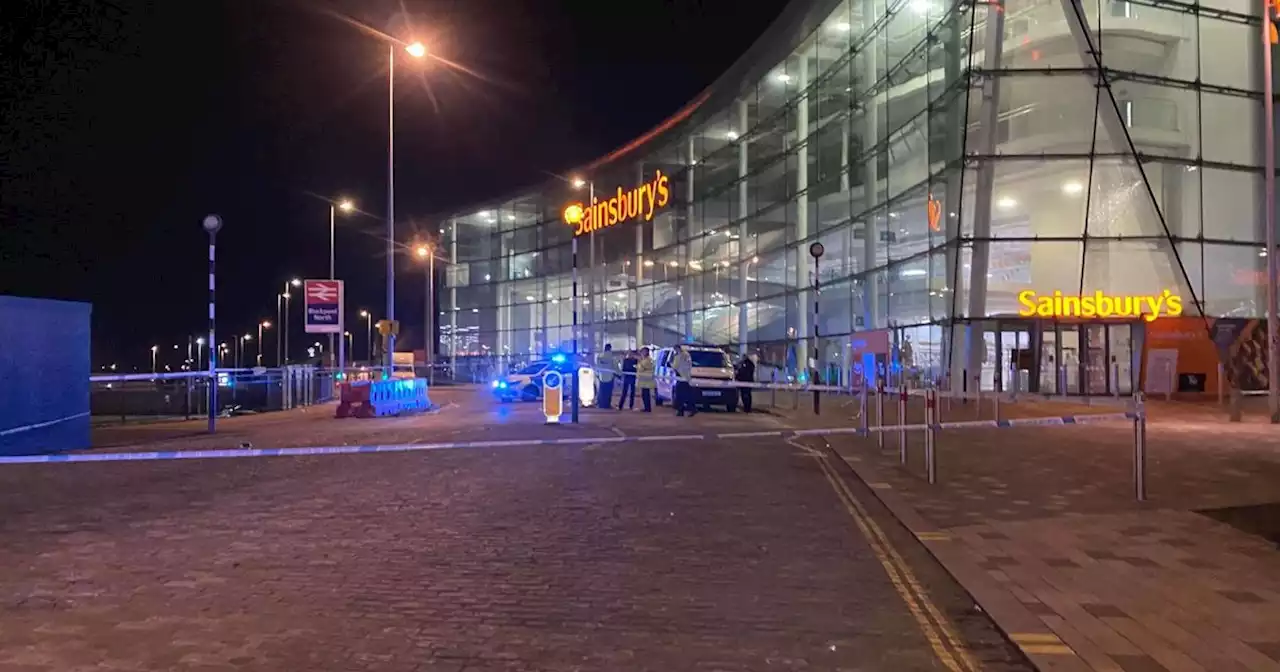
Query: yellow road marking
x=932, y=624
x=933, y=536
x=1035, y=638
x=1048, y=649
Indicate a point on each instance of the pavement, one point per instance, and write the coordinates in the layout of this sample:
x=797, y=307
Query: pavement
x=681, y=554
x=1041, y=526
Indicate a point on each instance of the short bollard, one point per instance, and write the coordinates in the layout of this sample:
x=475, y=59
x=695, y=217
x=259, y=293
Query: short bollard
x=930, y=447
x=902, y=423
x=880, y=413
x=862, y=410
x=1139, y=447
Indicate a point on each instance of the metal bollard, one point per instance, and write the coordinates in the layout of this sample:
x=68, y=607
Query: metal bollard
x=1139, y=448
x=930, y=447
x=977, y=391
x=862, y=412
x=902, y=423
x=880, y=413
x=997, y=405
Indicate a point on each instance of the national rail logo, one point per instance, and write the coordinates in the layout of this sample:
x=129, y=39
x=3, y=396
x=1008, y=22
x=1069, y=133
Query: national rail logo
x=641, y=202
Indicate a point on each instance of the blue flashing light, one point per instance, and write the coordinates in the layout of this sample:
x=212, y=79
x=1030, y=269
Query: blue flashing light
x=557, y=358
x=495, y=384
x=502, y=384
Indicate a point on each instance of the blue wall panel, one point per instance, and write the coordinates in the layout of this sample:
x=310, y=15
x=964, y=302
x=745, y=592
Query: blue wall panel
x=44, y=376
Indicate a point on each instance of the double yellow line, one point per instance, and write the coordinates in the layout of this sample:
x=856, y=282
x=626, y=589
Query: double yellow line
x=935, y=627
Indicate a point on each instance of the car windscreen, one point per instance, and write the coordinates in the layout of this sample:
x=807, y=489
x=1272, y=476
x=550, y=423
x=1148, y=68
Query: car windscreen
x=532, y=369
x=709, y=359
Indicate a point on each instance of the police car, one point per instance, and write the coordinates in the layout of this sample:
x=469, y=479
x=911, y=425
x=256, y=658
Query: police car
x=525, y=384
x=709, y=362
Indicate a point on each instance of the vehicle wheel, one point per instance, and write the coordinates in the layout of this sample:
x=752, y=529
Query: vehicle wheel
x=706, y=408
x=530, y=393
x=732, y=408
x=657, y=399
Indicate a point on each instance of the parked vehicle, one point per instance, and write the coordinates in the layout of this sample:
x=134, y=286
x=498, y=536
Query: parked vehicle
x=709, y=363
x=525, y=383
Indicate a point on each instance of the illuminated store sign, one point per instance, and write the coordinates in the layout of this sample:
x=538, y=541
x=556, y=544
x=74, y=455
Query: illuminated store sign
x=1098, y=304
x=641, y=202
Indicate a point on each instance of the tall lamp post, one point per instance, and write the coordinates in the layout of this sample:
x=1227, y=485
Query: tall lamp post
x=211, y=224
x=428, y=328
x=264, y=324
x=154, y=350
x=368, y=332
x=345, y=205
x=283, y=319
x=416, y=50
x=570, y=213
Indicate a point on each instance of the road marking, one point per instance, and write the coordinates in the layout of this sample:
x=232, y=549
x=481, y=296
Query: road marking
x=942, y=638
x=933, y=536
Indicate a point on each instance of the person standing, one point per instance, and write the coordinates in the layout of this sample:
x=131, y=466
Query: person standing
x=606, y=366
x=644, y=379
x=684, y=390
x=628, y=396
x=745, y=373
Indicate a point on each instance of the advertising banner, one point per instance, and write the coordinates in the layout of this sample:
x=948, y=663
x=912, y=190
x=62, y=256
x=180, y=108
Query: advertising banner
x=322, y=301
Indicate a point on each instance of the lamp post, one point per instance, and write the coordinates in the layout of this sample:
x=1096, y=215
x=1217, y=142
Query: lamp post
x=211, y=224
x=344, y=205
x=368, y=331
x=199, y=351
x=351, y=342
x=578, y=183
x=154, y=350
x=261, y=325
x=284, y=318
x=416, y=50
x=428, y=330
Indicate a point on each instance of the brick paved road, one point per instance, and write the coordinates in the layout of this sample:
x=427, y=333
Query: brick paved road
x=611, y=557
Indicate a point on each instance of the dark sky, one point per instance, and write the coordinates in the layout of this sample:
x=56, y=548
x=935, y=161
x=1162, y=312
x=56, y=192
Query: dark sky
x=125, y=121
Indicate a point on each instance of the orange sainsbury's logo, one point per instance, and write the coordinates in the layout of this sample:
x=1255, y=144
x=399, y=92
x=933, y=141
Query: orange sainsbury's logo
x=640, y=202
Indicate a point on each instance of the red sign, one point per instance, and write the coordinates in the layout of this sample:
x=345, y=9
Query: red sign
x=323, y=305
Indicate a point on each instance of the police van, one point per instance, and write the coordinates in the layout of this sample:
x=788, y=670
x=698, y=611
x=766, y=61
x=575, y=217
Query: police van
x=709, y=363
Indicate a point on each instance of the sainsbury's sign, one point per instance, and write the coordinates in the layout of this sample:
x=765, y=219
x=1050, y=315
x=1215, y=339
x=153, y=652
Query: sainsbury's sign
x=641, y=202
x=1099, y=305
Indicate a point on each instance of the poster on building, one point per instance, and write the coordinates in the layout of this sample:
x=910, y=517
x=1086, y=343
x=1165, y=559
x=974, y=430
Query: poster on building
x=322, y=301
x=1242, y=348
x=1162, y=371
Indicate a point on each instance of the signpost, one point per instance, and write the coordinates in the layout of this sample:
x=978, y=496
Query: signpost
x=322, y=303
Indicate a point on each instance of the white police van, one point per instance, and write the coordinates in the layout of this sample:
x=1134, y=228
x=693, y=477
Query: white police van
x=525, y=383
x=709, y=363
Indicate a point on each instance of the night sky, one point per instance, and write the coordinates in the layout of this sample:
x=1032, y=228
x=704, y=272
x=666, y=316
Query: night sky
x=125, y=122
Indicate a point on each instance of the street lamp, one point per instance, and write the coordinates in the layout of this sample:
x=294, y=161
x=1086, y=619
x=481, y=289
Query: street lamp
x=579, y=183
x=344, y=205
x=154, y=350
x=424, y=251
x=240, y=355
x=199, y=352
x=368, y=330
x=282, y=318
x=261, y=325
x=351, y=342
x=415, y=50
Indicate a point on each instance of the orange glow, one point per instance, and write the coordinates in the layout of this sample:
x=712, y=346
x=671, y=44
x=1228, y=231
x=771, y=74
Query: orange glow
x=573, y=214
x=935, y=214
x=640, y=202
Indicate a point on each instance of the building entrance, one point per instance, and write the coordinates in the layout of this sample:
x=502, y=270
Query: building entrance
x=1059, y=358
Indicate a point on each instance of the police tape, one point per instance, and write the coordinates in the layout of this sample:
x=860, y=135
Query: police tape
x=230, y=453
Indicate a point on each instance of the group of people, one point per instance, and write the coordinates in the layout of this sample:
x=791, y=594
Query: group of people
x=636, y=368
x=636, y=373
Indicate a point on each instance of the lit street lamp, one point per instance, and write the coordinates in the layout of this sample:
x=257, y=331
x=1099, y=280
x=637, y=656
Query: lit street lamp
x=282, y=318
x=345, y=205
x=415, y=50
x=428, y=332
x=368, y=330
x=261, y=325
x=154, y=350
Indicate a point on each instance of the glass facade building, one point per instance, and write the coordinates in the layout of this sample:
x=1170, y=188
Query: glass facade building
x=949, y=157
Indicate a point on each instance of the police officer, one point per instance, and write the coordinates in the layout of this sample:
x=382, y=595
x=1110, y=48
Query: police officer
x=684, y=391
x=606, y=363
x=745, y=373
x=644, y=378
